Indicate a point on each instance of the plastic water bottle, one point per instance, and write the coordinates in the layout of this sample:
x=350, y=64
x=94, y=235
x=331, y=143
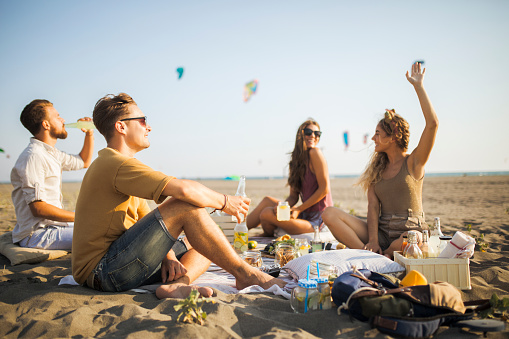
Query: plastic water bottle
x=81, y=124
x=240, y=238
x=241, y=192
x=436, y=233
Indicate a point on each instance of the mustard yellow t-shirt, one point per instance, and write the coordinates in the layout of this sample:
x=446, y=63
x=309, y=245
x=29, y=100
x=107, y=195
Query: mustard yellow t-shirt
x=111, y=200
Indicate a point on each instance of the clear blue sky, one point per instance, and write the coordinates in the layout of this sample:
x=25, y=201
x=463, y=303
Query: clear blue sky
x=340, y=62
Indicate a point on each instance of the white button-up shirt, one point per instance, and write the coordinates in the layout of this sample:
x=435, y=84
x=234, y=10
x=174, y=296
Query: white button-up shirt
x=37, y=176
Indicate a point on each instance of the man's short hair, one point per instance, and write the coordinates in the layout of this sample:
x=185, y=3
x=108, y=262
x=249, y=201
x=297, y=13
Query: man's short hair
x=34, y=114
x=110, y=109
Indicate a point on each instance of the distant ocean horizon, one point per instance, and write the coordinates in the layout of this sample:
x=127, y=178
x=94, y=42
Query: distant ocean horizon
x=336, y=176
x=339, y=176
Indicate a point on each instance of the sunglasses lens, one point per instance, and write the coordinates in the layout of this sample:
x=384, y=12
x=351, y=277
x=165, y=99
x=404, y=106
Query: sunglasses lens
x=308, y=132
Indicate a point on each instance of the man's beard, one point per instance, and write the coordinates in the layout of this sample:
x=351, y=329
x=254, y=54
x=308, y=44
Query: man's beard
x=61, y=135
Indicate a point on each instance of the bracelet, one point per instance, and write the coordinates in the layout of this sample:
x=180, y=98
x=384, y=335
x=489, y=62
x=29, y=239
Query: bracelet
x=224, y=205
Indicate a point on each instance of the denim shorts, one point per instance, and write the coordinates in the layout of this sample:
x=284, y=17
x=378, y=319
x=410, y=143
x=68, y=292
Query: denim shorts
x=314, y=218
x=134, y=259
x=50, y=237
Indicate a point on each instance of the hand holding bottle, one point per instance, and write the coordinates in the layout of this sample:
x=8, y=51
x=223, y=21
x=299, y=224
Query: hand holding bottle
x=237, y=207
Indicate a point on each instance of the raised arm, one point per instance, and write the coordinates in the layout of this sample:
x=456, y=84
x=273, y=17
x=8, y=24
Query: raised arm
x=88, y=144
x=421, y=153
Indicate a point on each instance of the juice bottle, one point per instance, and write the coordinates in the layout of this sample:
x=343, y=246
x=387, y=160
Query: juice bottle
x=81, y=124
x=283, y=211
x=404, y=244
x=325, y=302
x=427, y=250
x=240, y=238
x=305, y=297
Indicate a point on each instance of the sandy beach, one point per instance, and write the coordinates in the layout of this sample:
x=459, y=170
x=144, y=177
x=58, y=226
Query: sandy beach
x=33, y=305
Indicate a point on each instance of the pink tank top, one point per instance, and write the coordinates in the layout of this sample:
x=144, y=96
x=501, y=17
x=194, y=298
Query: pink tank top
x=309, y=186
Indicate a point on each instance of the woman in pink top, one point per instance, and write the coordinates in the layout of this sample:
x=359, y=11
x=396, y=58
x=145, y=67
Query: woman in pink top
x=308, y=180
x=393, y=181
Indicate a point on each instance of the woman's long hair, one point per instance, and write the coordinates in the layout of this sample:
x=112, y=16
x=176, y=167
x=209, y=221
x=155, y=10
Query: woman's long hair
x=299, y=157
x=396, y=127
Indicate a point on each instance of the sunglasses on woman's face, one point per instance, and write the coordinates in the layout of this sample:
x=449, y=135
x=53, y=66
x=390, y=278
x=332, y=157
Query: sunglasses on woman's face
x=309, y=131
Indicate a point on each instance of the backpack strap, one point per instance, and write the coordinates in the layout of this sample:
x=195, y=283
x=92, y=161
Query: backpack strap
x=481, y=304
x=366, y=280
x=379, y=292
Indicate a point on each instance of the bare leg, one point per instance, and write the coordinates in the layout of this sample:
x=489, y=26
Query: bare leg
x=395, y=246
x=350, y=230
x=204, y=235
x=196, y=264
x=293, y=226
x=253, y=219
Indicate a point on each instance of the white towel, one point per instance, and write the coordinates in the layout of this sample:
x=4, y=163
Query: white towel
x=460, y=246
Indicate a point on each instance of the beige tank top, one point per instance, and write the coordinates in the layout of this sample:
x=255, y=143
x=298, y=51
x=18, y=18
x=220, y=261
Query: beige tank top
x=401, y=193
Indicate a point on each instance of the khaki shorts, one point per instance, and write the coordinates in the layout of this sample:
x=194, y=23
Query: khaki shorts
x=391, y=226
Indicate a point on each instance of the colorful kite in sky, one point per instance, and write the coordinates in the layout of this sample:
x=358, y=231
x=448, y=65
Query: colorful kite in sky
x=180, y=72
x=345, y=137
x=249, y=89
x=366, y=138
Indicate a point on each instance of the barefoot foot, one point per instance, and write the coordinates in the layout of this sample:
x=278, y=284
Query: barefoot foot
x=257, y=277
x=181, y=291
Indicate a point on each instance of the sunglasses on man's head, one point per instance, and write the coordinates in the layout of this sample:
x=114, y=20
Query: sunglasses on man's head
x=143, y=120
x=309, y=131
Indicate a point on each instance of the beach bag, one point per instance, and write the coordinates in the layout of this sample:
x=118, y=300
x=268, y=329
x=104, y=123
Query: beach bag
x=414, y=311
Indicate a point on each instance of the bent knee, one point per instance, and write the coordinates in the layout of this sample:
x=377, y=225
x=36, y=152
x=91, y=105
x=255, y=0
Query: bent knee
x=332, y=213
x=269, y=201
x=267, y=214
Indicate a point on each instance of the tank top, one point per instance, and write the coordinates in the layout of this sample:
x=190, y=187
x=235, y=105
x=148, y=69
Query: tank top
x=401, y=193
x=309, y=186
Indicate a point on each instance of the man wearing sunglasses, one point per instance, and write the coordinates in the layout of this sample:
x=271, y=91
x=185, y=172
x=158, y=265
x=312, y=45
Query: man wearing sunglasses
x=120, y=244
x=41, y=221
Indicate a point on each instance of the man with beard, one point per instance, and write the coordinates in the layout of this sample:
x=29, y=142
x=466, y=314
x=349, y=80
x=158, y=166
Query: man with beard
x=37, y=179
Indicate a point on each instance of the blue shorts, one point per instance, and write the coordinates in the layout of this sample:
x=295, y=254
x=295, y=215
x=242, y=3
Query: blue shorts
x=134, y=259
x=50, y=237
x=314, y=218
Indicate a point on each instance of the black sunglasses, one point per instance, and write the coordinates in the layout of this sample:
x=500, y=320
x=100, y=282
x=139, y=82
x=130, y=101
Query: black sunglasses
x=309, y=131
x=144, y=122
